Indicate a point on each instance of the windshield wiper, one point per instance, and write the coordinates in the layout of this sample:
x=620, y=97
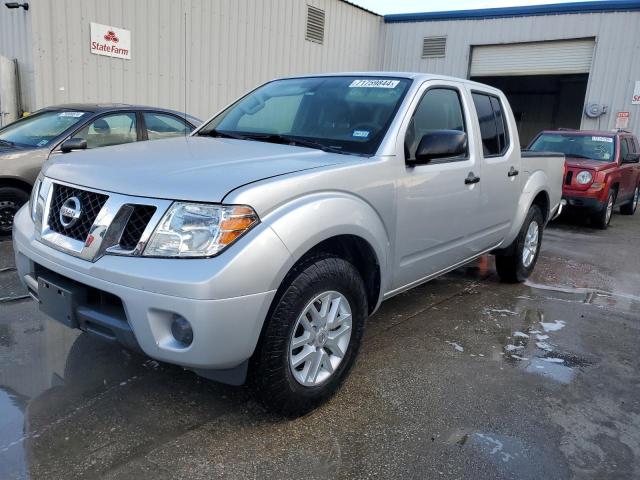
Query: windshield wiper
x=220, y=134
x=295, y=141
x=7, y=143
x=577, y=155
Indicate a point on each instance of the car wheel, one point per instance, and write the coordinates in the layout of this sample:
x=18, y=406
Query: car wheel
x=11, y=199
x=630, y=208
x=602, y=218
x=520, y=262
x=312, y=336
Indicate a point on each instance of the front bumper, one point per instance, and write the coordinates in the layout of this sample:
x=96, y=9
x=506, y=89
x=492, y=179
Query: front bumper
x=225, y=299
x=583, y=202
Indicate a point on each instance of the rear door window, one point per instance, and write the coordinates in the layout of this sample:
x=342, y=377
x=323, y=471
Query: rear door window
x=493, y=128
x=162, y=125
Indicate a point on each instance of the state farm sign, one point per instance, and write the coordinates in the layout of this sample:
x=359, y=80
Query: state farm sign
x=110, y=41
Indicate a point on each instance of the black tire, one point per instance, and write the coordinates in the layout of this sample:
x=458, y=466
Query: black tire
x=270, y=373
x=11, y=199
x=602, y=219
x=511, y=267
x=630, y=208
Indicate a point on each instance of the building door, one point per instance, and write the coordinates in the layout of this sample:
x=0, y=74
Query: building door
x=545, y=82
x=8, y=92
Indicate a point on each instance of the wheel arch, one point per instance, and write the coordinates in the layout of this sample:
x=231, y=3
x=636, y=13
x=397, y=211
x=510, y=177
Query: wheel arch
x=16, y=183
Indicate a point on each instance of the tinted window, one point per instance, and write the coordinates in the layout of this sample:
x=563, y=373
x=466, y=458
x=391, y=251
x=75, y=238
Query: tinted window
x=160, y=125
x=349, y=114
x=439, y=109
x=110, y=130
x=492, y=124
x=501, y=124
x=624, y=148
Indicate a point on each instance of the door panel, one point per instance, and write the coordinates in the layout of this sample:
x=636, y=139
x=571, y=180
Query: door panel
x=500, y=168
x=437, y=212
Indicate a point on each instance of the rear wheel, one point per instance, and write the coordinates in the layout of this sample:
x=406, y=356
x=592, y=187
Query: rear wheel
x=312, y=336
x=11, y=199
x=602, y=218
x=630, y=208
x=518, y=265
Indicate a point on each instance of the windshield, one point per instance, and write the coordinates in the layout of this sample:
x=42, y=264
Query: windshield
x=342, y=114
x=578, y=146
x=39, y=129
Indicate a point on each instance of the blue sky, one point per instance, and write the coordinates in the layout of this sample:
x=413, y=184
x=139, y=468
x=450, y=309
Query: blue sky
x=384, y=7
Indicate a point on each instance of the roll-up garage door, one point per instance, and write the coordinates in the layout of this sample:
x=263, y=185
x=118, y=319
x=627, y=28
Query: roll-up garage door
x=535, y=58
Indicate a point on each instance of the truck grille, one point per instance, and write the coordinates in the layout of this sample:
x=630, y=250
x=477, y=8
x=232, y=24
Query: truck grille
x=138, y=221
x=90, y=203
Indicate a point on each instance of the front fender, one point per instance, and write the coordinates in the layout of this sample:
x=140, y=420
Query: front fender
x=536, y=182
x=307, y=221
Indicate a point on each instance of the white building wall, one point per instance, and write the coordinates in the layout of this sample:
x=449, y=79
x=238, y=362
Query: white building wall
x=231, y=46
x=15, y=43
x=615, y=65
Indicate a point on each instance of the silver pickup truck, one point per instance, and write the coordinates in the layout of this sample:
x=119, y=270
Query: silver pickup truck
x=258, y=246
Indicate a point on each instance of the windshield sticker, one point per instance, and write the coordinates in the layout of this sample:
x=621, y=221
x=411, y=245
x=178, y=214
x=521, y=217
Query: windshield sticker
x=360, y=133
x=42, y=143
x=71, y=114
x=602, y=139
x=374, y=84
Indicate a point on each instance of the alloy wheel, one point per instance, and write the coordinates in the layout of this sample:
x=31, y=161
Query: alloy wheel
x=530, y=248
x=609, y=212
x=8, y=210
x=320, y=338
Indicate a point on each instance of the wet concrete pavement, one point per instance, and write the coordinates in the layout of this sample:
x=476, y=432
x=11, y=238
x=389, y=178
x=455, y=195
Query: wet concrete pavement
x=461, y=378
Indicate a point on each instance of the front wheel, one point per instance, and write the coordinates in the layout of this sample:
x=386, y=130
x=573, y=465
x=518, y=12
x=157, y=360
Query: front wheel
x=602, y=218
x=630, y=208
x=11, y=199
x=312, y=336
x=519, y=263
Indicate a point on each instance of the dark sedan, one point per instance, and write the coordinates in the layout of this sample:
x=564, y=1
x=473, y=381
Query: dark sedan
x=27, y=143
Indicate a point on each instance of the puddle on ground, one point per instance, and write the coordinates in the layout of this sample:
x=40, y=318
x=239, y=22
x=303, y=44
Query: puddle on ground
x=533, y=346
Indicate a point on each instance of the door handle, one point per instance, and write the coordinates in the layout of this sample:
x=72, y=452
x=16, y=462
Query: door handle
x=471, y=179
x=512, y=172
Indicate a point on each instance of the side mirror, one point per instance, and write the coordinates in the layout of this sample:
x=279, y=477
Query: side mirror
x=440, y=144
x=631, y=158
x=73, y=144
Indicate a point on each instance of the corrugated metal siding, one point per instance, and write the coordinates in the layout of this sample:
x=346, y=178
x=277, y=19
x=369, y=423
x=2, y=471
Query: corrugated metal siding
x=542, y=58
x=232, y=46
x=15, y=42
x=613, y=73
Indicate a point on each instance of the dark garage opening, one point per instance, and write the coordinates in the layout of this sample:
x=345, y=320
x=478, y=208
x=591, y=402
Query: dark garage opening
x=541, y=102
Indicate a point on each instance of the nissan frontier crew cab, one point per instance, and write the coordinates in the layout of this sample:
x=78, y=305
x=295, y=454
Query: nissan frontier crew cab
x=257, y=247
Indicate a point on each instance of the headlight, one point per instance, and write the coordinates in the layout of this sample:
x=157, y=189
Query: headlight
x=199, y=229
x=584, y=177
x=33, y=200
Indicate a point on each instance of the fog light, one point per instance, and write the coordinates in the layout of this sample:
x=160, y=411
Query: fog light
x=181, y=330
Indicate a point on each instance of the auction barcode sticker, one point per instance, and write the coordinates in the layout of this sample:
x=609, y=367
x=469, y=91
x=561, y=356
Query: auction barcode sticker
x=602, y=139
x=374, y=84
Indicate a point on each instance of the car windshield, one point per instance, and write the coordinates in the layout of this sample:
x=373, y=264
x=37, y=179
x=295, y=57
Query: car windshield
x=592, y=147
x=39, y=129
x=343, y=114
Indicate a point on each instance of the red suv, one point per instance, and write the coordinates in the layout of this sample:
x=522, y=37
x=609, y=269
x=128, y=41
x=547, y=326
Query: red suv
x=601, y=170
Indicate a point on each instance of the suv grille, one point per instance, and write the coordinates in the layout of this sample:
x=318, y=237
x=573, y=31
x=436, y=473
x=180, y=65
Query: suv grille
x=567, y=180
x=138, y=221
x=90, y=203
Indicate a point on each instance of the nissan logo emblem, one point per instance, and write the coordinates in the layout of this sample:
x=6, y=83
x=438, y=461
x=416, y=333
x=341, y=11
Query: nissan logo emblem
x=70, y=212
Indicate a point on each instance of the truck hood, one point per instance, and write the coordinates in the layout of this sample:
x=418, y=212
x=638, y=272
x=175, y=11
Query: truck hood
x=596, y=165
x=185, y=168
